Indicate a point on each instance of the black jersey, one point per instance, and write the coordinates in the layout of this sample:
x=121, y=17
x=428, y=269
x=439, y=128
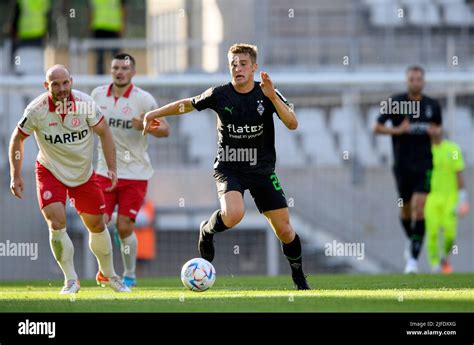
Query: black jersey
x=246, y=133
x=412, y=150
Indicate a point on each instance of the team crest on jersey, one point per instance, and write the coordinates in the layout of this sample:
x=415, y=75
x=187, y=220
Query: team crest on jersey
x=126, y=109
x=260, y=107
x=47, y=195
x=75, y=122
x=428, y=112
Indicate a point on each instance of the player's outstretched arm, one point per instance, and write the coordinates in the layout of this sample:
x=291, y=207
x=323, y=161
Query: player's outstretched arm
x=16, y=159
x=108, y=146
x=158, y=128
x=286, y=114
x=180, y=107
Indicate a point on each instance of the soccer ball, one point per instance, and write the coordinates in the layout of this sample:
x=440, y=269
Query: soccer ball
x=198, y=275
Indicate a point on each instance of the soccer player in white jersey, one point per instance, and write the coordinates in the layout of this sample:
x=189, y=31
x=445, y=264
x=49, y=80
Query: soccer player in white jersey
x=63, y=121
x=124, y=106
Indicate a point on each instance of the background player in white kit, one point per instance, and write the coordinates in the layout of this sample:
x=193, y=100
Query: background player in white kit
x=63, y=121
x=124, y=106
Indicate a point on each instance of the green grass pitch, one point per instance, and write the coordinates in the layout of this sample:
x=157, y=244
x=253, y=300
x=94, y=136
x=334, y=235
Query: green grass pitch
x=332, y=293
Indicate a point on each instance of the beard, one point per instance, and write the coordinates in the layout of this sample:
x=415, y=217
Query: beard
x=117, y=84
x=416, y=90
x=60, y=96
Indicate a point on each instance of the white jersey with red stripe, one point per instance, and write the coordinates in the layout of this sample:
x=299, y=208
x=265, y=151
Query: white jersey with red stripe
x=133, y=161
x=64, y=135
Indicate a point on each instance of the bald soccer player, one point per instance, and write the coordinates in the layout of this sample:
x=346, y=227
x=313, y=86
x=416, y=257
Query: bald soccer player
x=64, y=122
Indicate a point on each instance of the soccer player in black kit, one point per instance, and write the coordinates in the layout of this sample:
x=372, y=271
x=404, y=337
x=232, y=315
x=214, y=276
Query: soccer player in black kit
x=245, y=111
x=413, y=160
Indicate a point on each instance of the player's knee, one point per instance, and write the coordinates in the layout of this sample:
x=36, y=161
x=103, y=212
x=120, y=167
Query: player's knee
x=55, y=220
x=96, y=225
x=285, y=232
x=125, y=227
x=57, y=224
x=405, y=212
x=107, y=219
x=232, y=217
x=420, y=212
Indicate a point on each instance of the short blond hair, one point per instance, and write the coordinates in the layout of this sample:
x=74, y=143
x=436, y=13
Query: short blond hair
x=244, y=48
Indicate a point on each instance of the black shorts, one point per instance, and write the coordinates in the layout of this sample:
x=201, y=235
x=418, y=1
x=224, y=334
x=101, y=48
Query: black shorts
x=411, y=181
x=266, y=190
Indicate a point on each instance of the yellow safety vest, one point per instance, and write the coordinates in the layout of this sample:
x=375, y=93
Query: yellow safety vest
x=33, y=21
x=106, y=15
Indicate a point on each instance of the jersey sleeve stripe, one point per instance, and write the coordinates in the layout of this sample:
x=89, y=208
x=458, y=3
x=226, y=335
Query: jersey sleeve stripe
x=281, y=96
x=23, y=132
x=279, y=93
x=100, y=120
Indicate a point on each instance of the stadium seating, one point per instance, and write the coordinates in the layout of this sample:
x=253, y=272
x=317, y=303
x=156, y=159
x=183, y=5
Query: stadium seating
x=340, y=122
x=384, y=13
x=288, y=152
x=317, y=140
x=422, y=12
x=3, y=135
x=462, y=132
x=352, y=135
x=383, y=143
x=456, y=13
x=364, y=146
x=199, y=130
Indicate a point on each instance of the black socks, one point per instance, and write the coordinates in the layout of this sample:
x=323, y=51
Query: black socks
x=215, y=223
x=406, y=224
x=292, y=252
x=417, y=235
x=415, y=232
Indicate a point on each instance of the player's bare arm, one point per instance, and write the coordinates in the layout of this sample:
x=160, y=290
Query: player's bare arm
x=463, y=200
x=434, y=129
x=108, y=146
x=16, y=159
x=158, y=128
x=403, y=128
x=286, y=114
x=180, y=107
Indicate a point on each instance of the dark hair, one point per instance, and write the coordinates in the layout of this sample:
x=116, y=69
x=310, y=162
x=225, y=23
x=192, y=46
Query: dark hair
x=126, y=57
x=416, y=68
